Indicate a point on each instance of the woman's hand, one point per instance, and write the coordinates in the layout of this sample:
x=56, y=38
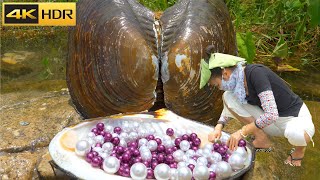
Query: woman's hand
x=234, y=140
x=216, y=134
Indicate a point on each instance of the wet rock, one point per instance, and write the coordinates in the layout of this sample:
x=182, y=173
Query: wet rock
x=44, y=124
x=13, y=64
x=18, y=165
x=44, y=168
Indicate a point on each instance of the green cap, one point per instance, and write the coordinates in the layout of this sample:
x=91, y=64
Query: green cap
x=217, y=60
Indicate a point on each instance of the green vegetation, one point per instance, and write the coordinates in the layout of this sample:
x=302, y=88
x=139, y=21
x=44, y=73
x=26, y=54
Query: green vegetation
x=272, y=30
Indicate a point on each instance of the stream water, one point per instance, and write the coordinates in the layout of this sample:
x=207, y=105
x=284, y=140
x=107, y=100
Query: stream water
x=36, y=63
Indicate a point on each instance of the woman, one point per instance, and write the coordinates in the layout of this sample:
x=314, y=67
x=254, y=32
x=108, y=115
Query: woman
x=261, y=100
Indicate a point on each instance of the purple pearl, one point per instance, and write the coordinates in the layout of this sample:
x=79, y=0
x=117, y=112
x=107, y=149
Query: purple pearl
x=150, y=137
x=193, y=136
x=126, y=172
x=185, y=137
x=120, y=150
x=161, y=158
x=133, y=144
x=212, y=175
x=169, y=159
x=126, y=157
x=195, y=148
x=226, y=157
x=150, y=174
x=174, y=148
x=95, y=162
x=222, y=150
x=225, y=146
x=173, y=165
x=216, y=146
x=170, y=132
x=136, y=153
x=191, y=166
x=132, y=149
x=137, y=160
x=242, y=143
x=107, y=137
x=115, y=141
x=158, y=140
x=103, y=133
x=117, y=130
x=147, y=163
x=113, y=154
x=177, y=141
x=89, y=157
x=196, y=142
x=195, y=158
x=95, y=153
x=95, y=131
x=169, y=151
x=161, y=148
x=100, y=126
x=98, y=145
x=154, y=155
x=154, y=164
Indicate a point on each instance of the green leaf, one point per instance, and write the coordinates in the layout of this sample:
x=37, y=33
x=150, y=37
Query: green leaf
x=281, y=49
x=246, y=46
x=314, y=12
x=300, y=30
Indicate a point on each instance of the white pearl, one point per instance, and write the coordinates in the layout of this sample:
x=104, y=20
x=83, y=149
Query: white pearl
x=184, y=145
x=224, y=139
x=202, y=160
x=201, y=172
x=138, y=171
x=206, y=152
x=191, y=161
x=236, y=161
x=213, y=167
x=143, y=142
x=146, y=155
x=173, y=174
x=91, y=135
x=104, y=155
x=162, y=172
x=178, y=155
x=242, y=151
x=190, y=153
x=184, y=173
x=115, y=135
x=178, y=133
x=223, y=169
x=92, y=142
x=111, y=165
x=109, y=129
x=167, y=143
x=208, y=146
x=97, y=149
x=189, y=132
x=82, y=147
x=124, y=135
x=133, y=135
x=214, y=158
x=108, y=146
x=136, y=125
x=143, y=148
x=166, y=138
x=182, y=164
x=99, y=139
x=123, y=143
x=199, y=152
x=152, y=145
x=126, y=126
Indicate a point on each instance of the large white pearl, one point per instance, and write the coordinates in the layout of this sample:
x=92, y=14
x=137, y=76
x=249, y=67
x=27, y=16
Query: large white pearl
x=123, y=143
x=138, y=171
x=184, y=173
x=166, y=138
x=223, y=169
x=209, y=146
x=224, y=139
x=202, y=160
x=104, y=155
x=242, y=151
x=143, y=141
x=82, y=147
x=162, y=172
x=191, y=161
x=98, y=149
x=214, y=157
x=99, y=139
x=178, y=155
x=199, y=152
x=213, y=167
x=184, y=145
x=143, y=148
x=173, y=174
x=111, y=165
x=108, y=146
x=124, y=135
x=236, y=161
x=201, y=172
x=182, y=164
x=206, y=152
x=152, y=145
x=167, y=143
x=91, y=135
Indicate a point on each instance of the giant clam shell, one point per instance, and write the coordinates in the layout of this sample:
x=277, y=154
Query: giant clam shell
x=121, y=59
x=61, y=147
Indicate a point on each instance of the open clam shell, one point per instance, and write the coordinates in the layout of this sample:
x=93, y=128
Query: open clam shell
x=62, y=146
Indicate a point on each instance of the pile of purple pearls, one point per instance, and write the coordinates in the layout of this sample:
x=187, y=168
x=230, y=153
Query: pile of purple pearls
x=129, y=152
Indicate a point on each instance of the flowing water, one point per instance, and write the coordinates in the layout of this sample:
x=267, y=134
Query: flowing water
x=33, y=71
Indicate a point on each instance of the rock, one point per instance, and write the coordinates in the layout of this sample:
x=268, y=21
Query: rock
x=13, y=63
x=18, y=165
x=44, y=168
x=44, y=124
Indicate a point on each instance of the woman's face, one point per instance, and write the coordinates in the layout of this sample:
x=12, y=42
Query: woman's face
x=216, y=81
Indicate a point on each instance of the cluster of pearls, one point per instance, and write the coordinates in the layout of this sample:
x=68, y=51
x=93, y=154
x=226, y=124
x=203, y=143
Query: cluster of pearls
x=138, y=151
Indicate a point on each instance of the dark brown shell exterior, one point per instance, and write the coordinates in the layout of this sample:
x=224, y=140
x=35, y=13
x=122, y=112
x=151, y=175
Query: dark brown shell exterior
x=121, y=60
